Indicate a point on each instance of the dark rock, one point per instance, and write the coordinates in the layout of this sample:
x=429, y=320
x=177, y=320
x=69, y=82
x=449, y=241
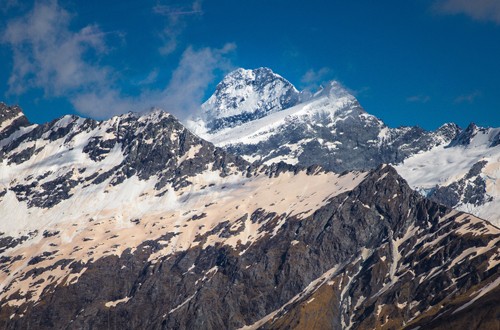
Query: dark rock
x=13, y=114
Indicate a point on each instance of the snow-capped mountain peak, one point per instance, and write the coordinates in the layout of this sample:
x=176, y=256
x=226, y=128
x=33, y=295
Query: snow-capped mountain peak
x=331, y=104
x=330, y=114
x=474, y=136
x=245, y=95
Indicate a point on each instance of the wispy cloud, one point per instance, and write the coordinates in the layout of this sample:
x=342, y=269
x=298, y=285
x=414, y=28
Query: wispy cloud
x=49, y=56
x=175, y=23
x=151, y=78
x=481, y=10
x=468, y=98
x=182, y=96
x=418, y=98
x=313, y=78
x=197, y=68
x=168, y=10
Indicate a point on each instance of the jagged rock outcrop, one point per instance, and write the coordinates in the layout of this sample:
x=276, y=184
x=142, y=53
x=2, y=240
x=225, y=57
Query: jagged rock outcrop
x=11, y=120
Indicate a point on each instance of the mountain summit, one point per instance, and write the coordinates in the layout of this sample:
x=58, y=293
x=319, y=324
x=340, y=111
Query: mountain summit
x=246, y=95
x=328, y=127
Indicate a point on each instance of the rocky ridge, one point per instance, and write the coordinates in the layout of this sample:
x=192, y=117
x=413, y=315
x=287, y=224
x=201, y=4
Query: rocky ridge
x=44, y=164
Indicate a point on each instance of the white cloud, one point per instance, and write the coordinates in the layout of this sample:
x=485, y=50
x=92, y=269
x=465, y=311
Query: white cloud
x=468, y=98
x=48, y=55
x=481, y=10
x=312, y=78
x=175, y=23
x=418, y=98
x=103, y=103
x=196, y=70
x=182, y=96
x=150, y=78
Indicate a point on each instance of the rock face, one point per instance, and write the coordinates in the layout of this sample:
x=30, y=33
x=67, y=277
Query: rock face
x=11, y=119
x=330, y=128
x=137, y=223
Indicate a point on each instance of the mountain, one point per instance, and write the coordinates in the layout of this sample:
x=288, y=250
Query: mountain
x=330, y=128
x=245, y=95
x=134, y=222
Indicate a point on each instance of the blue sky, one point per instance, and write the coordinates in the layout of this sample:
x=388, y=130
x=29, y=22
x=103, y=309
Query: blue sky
x=420, y=62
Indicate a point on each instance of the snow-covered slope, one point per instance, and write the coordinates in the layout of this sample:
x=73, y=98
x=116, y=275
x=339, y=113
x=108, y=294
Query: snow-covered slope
x=104, y=220
x=464, y=174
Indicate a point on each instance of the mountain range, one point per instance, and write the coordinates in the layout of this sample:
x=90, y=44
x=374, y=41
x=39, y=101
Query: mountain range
x=274, y=208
